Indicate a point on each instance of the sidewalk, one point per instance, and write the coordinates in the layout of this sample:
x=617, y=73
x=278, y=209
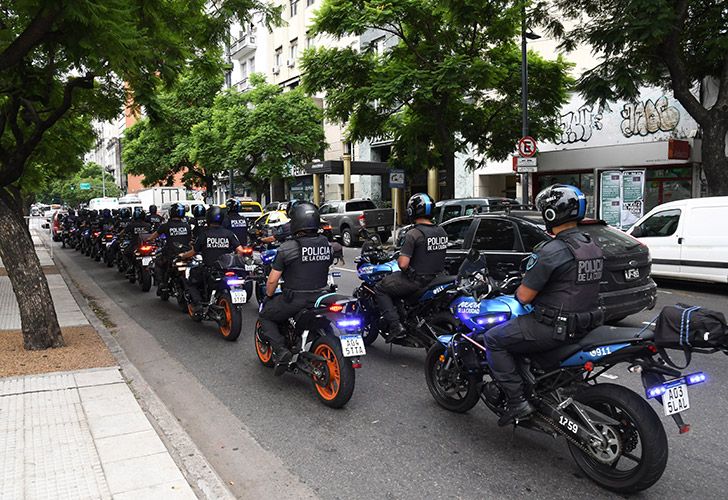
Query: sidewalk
x=76, y=434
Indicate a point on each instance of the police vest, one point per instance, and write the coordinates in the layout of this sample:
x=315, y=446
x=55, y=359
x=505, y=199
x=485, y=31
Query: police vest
x=576, y=290
x=428, y=257
x=238, y=225
x=307, y=260
x=178, y=232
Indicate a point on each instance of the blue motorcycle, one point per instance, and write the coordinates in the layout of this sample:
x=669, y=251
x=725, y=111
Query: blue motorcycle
x=613, y=434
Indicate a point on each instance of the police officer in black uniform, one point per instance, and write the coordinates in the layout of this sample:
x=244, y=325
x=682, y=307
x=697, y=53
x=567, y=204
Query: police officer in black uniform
x=198, y=220
x=154, y=218
x=236, y=222
x=561, y=283
x=178, y=236
x=132, y=232
x=303, y=262
x=214, y=242
x=421, y=259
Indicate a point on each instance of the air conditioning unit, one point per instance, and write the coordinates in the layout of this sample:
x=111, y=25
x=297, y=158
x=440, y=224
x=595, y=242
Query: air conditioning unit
x=276, y=70
x=291, y=63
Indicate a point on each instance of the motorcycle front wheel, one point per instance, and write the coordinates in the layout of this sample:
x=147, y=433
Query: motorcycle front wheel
x=636, y=452
x=335, y=384
x=453, y=390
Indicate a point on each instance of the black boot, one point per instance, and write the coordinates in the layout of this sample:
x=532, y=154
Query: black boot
x=518, y=409
x=396, y=331
x=283, y=359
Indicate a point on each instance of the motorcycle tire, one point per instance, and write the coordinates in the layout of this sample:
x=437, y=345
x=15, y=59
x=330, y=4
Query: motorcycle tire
x=181, y=300
x=233, y=318
x=459, y=402
x=196, y=319
x=341, y=376
x=164, y=295
x=109, y=261
x=640, y=425
x=145, y=279
x=263, y=349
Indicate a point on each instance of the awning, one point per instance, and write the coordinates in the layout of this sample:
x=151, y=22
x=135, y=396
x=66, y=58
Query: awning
x=357, y=167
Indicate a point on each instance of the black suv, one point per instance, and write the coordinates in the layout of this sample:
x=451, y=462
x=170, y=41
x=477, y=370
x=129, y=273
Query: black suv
x=507, y=240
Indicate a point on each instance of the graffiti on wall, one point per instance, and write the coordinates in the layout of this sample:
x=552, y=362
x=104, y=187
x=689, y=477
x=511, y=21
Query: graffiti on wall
x=579, y=125
x=647, y=117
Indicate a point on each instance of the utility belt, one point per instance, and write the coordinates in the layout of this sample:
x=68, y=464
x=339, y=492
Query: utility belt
x=421, y=279
x=568, y=326
x=289, y=294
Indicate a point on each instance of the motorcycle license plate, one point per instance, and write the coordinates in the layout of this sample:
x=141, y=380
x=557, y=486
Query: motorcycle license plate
x=239, y=296
x=380, y=228
x=675, y=399
x=146, y=261
x=250, y=267
x=352, y=345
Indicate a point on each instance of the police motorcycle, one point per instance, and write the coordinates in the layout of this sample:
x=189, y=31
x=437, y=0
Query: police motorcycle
x=613, y=434
x=175, y=287
x=327, y=346
x=428, y=305
x=142, y=269
x=224, y=293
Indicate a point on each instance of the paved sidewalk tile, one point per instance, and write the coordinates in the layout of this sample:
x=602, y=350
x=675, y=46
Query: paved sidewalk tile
x=61, y=437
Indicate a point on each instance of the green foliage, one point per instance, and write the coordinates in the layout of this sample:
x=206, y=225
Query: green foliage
x=449, y=78
x=68, y=190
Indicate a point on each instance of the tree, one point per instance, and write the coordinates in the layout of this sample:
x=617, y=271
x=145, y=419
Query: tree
x=61, y=60
x=450, y=80
x=672, y=44
x=68, y=190
x=159, y=147
x=260, y=133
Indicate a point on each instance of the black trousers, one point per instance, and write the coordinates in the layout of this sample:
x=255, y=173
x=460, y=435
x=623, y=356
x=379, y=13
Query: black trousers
x=394, y=286
x=196, y=283
x=161, y=268
x=277, y=310
x=521, y=335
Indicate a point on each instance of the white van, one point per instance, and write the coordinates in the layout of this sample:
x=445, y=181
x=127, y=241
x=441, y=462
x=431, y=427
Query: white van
x=101, y=203
x=688, y=239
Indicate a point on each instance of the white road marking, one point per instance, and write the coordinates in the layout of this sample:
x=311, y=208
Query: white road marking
x=345, y=269
x=609, y=376
x=664, y=291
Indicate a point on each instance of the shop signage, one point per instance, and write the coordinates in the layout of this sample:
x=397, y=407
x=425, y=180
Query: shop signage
x=527, y=146
x=84, y=186
x=396, y=179
x=622, y=197
x=678, y=150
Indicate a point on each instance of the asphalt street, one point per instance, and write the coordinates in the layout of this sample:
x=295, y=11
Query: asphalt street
x=392, y=440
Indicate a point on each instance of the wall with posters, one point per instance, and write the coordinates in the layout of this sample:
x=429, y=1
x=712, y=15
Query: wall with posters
x=622, y=197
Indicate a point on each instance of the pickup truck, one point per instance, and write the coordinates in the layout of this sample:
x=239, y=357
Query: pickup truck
x=348, y=218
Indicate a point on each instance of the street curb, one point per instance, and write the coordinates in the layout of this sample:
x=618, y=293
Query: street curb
x=194, y=466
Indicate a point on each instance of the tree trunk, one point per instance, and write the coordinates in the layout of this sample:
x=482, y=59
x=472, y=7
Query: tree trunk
x=37, y=313
x=209, y=189
x=715, y=162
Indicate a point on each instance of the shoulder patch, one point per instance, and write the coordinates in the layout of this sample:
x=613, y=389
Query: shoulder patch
x=532, y=260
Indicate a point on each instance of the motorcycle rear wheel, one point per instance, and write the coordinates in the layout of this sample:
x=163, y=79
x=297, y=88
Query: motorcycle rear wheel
x=263, y=349
x=145, y=279
x=458, y=399
x=640, y=428
x=341, y=377
x=231, y=328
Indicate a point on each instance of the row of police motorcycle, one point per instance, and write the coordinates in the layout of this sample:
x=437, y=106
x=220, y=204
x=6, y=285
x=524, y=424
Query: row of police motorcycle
x=613, y=434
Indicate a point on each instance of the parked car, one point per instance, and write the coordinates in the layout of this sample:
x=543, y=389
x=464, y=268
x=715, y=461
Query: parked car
x=348, y=218
x=274, y=206
x=687, y=238
x=508, y=240
x=264, y=225
x=449, y=209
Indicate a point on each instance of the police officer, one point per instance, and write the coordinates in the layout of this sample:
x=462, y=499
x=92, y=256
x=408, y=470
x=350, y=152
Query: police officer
x=177, y=237
x=198, y=220
x=122, y=220
x=153, y=217
x=303, y=262
x=236, y=222
x=214, y=242
x=421, y=259
x=561, y=283
x=133, y=232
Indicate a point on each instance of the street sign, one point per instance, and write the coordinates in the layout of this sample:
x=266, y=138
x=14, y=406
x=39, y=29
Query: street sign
x=527, y=146
x=84, y=186
x=526, y=165
x=396, y=179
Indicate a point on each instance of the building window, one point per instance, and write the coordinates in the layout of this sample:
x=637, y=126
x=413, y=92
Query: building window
x=309, y=3
x=377, y=45
x=293, y=52
x=309, y=40
x=294, y=7
x=278, y=57
x=251, y=65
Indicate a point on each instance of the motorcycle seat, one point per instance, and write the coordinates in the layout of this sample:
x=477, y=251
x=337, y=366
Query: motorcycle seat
x=602, y=335
x=438, y=281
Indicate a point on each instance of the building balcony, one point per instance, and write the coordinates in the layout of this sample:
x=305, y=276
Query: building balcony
x=242, y=85
x=243, y=46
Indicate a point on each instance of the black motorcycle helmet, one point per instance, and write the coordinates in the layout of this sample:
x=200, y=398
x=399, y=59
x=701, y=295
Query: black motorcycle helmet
x=125, y=213
x=152, y=209
x=106, y=213
x=138, y=213
x=177, y=211
x=420, y=205
x=561, y=203
x=304, y=217
x=198, y=211
x=233, y=206
x=214, y=215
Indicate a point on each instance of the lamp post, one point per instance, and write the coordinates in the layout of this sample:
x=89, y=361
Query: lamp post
x=346, y=157
x=525, y=36
x=103, y=181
